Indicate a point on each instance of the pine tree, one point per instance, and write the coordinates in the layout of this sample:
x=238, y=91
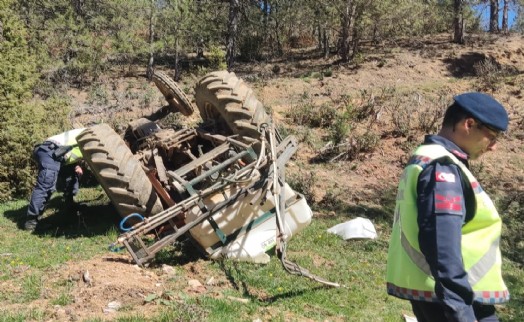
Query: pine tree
x=17, y=76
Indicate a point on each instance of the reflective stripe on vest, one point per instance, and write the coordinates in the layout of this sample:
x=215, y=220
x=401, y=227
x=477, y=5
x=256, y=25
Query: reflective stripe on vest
x=73, y=156
x=475, y=273
x=409, y=276
x=68, y=138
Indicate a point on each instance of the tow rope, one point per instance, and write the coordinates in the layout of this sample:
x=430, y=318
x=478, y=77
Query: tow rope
x=279, y=197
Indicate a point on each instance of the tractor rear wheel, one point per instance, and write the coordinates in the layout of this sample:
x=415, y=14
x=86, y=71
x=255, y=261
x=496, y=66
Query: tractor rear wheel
x=119, y=173
x=226, y=101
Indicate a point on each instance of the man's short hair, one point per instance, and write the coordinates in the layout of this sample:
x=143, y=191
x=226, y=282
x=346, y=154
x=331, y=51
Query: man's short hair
x=454, y=114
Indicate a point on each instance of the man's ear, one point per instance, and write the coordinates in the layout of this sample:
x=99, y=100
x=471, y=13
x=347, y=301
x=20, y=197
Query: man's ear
x=468, y=123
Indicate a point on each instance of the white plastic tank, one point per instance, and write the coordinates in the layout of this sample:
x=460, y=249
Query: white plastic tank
x=259, y=228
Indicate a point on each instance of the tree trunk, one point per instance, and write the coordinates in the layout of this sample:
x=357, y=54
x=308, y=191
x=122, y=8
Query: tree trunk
x=325, y=43
x=151, y=61
x=458, y=22
x=265, y=32
x=177, y=59
x=279, y=51
x=493, y=16
x=234, y=8
x=505, y=28
x=347, y=24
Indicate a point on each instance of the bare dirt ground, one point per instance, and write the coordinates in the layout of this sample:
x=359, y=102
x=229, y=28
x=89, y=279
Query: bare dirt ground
x=430, y=67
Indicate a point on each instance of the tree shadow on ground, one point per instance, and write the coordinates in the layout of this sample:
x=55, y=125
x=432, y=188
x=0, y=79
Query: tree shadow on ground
x=464, y=66
x=81, y=220
x=378, y=206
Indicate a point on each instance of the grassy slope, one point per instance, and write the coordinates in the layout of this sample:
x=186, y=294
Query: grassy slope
x=272, y=294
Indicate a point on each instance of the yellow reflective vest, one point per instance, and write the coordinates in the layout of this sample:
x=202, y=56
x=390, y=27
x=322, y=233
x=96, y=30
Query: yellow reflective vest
x=408, y=273
x=68, y=138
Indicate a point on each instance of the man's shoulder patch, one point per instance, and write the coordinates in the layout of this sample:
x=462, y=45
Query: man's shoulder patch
x=441, y=176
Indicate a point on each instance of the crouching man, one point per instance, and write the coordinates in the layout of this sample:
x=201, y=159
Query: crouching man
x=59, y=153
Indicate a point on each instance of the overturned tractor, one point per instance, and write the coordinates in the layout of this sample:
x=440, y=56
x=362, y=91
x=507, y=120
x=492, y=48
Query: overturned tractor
x=221, y=184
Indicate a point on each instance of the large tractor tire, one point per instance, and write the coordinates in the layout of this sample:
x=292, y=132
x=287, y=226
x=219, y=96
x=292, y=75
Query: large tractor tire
x=230, y=104
x=175, y=96
x=118, y=171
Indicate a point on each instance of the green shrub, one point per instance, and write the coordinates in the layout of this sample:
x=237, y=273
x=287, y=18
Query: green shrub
x=308, y=114
x=512, y=206
x=98, y=95
x=333, y=200
x=338, y=132
x=303, y=182
x=354, y=147
x=217, y=58
x=327, y=72
x=26, y=125
x=17, y=116
x=402, y=117
x=489, y=73
x=251, y=48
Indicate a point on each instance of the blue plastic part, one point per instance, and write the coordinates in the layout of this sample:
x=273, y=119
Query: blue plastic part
x=123, y=221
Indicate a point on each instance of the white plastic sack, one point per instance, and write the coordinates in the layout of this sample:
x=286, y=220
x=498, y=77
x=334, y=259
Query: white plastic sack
x=355, y=228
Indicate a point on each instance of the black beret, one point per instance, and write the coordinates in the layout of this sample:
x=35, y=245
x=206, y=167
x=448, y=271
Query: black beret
x=484, y=108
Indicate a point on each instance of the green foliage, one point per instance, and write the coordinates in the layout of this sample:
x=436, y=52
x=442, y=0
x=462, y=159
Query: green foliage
x=31, y=288
x=98, y=95
x=17, y=70
x=24, y=126
x=17, y=64
x=217, y=58
x=308, y=114
x=303, y=182
x=338, y=132
x=491, y=75
x=69, y=40
x=512, y=208
x=251, y=48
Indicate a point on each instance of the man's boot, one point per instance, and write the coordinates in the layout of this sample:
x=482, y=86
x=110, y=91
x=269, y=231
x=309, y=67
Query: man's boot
x=31, y=223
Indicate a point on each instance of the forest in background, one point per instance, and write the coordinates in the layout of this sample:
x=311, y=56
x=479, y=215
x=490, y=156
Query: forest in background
x=49, y=46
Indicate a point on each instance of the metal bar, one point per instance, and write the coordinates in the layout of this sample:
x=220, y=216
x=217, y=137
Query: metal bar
x=153, y=249
x=252, y=224
x=201, y=160
x=217, y=230
x=161, y=217
x=159, y=189
x=160, y=168
x=219, y=167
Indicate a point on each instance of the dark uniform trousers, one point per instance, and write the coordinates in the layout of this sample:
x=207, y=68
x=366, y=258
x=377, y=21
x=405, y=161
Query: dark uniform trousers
x=48, y=170
x=435, y=312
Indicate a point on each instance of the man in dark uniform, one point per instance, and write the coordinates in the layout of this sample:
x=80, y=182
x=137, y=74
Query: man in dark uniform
x=58, y=153
x=444, y=254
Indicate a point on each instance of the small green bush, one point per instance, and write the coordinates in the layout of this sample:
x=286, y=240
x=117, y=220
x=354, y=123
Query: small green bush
x=489, y=73
x=303, y=182
x=98, y=95
x=338, y=132
x=26, y=125
x=402, y=118
x=217, y=58
x=512, y=206
x=308, y=114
